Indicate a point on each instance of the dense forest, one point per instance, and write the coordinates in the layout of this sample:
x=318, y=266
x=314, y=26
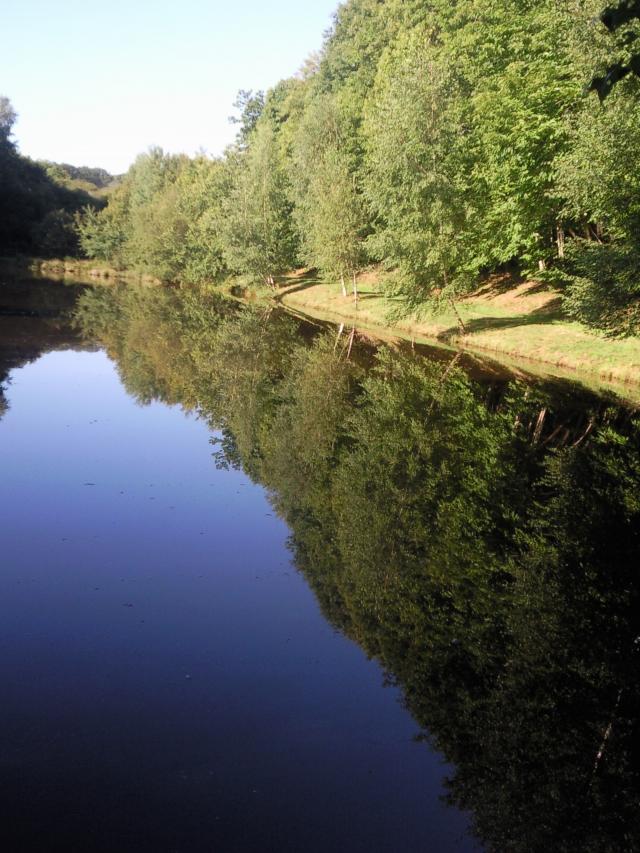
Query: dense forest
x=439, y=141
x=479, y=538
x=40, y=202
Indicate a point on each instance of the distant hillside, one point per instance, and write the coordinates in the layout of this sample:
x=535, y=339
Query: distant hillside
x=40, y=202
x=95, y=181
x=100, y=177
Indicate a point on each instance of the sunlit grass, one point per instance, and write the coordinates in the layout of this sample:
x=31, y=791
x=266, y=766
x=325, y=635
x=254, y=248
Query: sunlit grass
x=523, y=324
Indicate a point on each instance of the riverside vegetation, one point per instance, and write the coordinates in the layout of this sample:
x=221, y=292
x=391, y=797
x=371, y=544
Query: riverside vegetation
x=441, y=143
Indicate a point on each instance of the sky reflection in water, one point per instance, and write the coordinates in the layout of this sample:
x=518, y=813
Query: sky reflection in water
x=168, y=682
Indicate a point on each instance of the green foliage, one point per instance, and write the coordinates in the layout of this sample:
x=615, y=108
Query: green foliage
x=329, y=207
x=201, y=256
x=160, y=219
x=604, y=286
x=8, y=118
x=445, y=141
x=36, y=209
x=416, y=175
x=619, y=16
x=257, y=227
x=249, y=106
x=102, y=236
x=519, y=116
x=593, y=175
x=96, y=182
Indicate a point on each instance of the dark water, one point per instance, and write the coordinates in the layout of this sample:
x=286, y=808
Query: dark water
x=256, y=596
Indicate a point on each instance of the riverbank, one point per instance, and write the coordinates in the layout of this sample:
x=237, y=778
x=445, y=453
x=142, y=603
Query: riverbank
x=521, y=324
x=72, y=269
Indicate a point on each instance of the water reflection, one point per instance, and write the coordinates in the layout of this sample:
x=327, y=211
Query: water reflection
x=480, y=539
x=35, y=317
x=482, y=544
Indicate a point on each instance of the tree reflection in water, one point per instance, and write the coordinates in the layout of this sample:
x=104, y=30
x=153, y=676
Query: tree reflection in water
x=481, y=542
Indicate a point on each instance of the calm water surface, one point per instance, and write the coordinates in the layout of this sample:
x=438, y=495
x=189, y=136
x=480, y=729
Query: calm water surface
x=267, y=588
x=168, y=681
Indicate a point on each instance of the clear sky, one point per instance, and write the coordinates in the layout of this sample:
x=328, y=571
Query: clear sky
x=97, y=81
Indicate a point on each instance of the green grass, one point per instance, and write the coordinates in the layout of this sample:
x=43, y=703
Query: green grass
x=522, y=326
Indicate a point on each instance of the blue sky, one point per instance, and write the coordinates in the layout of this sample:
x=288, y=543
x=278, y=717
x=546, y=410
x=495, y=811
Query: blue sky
x=97, y=81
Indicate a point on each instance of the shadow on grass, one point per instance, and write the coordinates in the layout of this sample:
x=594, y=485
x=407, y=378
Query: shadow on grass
x=499, y=283
x=540, y=287
x=295, y=283
x=368, y=294
x=549, y=313
x=304, y=285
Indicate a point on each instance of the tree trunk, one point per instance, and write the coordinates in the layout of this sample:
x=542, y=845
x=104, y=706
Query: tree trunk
x=355, y=288
x=590, y=426
x=542, y=265
x=539, y=424
x=351, y=337
x=605, y=737
x=560, y=239
x=342, y=285
x=463, y=328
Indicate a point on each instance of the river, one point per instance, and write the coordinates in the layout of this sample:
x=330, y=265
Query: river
x=264, y=588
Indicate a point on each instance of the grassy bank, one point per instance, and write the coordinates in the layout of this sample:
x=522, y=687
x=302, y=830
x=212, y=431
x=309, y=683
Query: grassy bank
x=521, y=325
x=90, y=270
x=70, y=269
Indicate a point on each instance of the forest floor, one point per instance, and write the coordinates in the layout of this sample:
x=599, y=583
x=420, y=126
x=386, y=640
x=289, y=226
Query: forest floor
x=520, y=324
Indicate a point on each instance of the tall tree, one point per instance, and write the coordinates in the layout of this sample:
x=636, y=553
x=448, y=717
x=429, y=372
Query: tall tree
x=330, y=210
x=417, y=170
x=257, y=226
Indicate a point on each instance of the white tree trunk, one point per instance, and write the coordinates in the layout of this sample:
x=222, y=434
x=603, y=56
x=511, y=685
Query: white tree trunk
x=351, y=338
x=560, y=240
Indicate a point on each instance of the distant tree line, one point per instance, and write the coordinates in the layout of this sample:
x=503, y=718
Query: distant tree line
x=39, y=202
x=100, y=178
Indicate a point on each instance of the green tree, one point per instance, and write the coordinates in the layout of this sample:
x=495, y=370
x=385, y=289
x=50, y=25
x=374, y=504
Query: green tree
x=330, y=211
x=417, y=170
x=8, y=118
x=249, y=105
x=257, y=228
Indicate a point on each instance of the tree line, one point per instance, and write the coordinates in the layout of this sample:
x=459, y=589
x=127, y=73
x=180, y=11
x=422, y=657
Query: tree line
x=40, y=202
x=440, y=141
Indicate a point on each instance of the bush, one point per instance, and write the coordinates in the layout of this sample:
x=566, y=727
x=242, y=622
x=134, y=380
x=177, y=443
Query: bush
x=604, y=286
